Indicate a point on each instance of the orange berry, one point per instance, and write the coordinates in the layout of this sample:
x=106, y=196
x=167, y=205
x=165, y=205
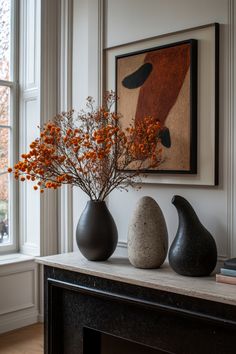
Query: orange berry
x=35, y=188
x=9, y=170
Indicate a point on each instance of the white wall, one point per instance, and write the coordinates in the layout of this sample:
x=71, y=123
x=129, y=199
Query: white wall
x=130, y=20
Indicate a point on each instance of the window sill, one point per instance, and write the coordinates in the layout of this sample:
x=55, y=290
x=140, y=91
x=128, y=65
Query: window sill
x=14, y=258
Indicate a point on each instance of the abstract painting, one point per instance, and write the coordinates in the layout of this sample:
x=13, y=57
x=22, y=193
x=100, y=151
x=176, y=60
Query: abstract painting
x=161, y=82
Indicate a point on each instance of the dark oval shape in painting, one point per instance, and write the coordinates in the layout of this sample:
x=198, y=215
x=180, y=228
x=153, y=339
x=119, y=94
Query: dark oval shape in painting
x=137, y=78
x=165, y=137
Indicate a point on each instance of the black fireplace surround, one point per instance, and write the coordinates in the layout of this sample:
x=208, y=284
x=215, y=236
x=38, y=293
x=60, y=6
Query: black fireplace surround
x=82, y=311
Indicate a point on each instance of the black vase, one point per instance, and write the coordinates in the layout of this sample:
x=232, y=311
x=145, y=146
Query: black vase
x=193, y=251
x=96, y=232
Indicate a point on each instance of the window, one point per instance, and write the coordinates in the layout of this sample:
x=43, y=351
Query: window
x=8, y=123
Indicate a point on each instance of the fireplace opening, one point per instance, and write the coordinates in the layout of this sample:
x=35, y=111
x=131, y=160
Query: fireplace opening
x=96, y=342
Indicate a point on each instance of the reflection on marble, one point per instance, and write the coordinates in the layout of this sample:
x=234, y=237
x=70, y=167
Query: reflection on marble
x=118, y=268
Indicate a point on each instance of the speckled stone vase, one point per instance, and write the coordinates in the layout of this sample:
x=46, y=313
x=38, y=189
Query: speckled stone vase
x=96, y=232
x=147, y=235
x=193, y=251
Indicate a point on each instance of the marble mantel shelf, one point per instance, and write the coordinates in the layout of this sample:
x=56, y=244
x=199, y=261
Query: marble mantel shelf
x=119, y=269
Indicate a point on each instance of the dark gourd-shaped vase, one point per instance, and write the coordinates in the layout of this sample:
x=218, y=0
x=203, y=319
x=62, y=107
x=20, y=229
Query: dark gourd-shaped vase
x=96, y=232
x=193, y=251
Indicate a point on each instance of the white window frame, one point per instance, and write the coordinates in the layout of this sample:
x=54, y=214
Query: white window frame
x=13, y=85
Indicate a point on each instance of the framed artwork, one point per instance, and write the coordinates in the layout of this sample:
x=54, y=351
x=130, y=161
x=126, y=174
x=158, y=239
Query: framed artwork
x=173, y=77
x=161, y=82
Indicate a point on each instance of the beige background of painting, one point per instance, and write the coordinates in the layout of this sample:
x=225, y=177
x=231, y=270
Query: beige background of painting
x=128, y=99
x=177, y=157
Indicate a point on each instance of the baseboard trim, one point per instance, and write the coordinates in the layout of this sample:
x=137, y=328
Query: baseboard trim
x=41, y=318
x=17, y=320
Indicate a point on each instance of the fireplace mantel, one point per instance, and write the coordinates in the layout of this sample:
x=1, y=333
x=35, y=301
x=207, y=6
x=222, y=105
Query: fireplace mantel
x=119, y=269
x=156, y=308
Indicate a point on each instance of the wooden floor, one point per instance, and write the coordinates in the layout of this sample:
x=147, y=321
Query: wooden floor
x=27, y=340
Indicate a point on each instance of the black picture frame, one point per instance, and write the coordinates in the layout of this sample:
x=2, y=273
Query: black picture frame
x=207, y=36
x=193, y=77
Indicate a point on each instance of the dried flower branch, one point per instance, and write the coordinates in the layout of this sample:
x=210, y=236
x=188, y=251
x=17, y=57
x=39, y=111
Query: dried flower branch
x=90, y=150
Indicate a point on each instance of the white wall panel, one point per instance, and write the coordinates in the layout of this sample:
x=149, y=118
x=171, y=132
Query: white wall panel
x=18, y=294
x=130, y=20
x=29, y=37
x=29, y=199
x=30, y=45
x=80, y=57
x=13, y=296
x=29, y=120
x=32, y=121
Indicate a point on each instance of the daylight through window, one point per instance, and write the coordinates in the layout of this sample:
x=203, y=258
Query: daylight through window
x=7, y=119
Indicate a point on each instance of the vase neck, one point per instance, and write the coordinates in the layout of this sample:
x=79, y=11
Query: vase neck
x=96, y=204
x=187, y=215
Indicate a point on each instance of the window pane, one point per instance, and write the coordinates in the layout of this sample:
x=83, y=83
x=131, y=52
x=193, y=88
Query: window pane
x=4, y=197
x=4, y=147
x=5, y=27
x=4, y=105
